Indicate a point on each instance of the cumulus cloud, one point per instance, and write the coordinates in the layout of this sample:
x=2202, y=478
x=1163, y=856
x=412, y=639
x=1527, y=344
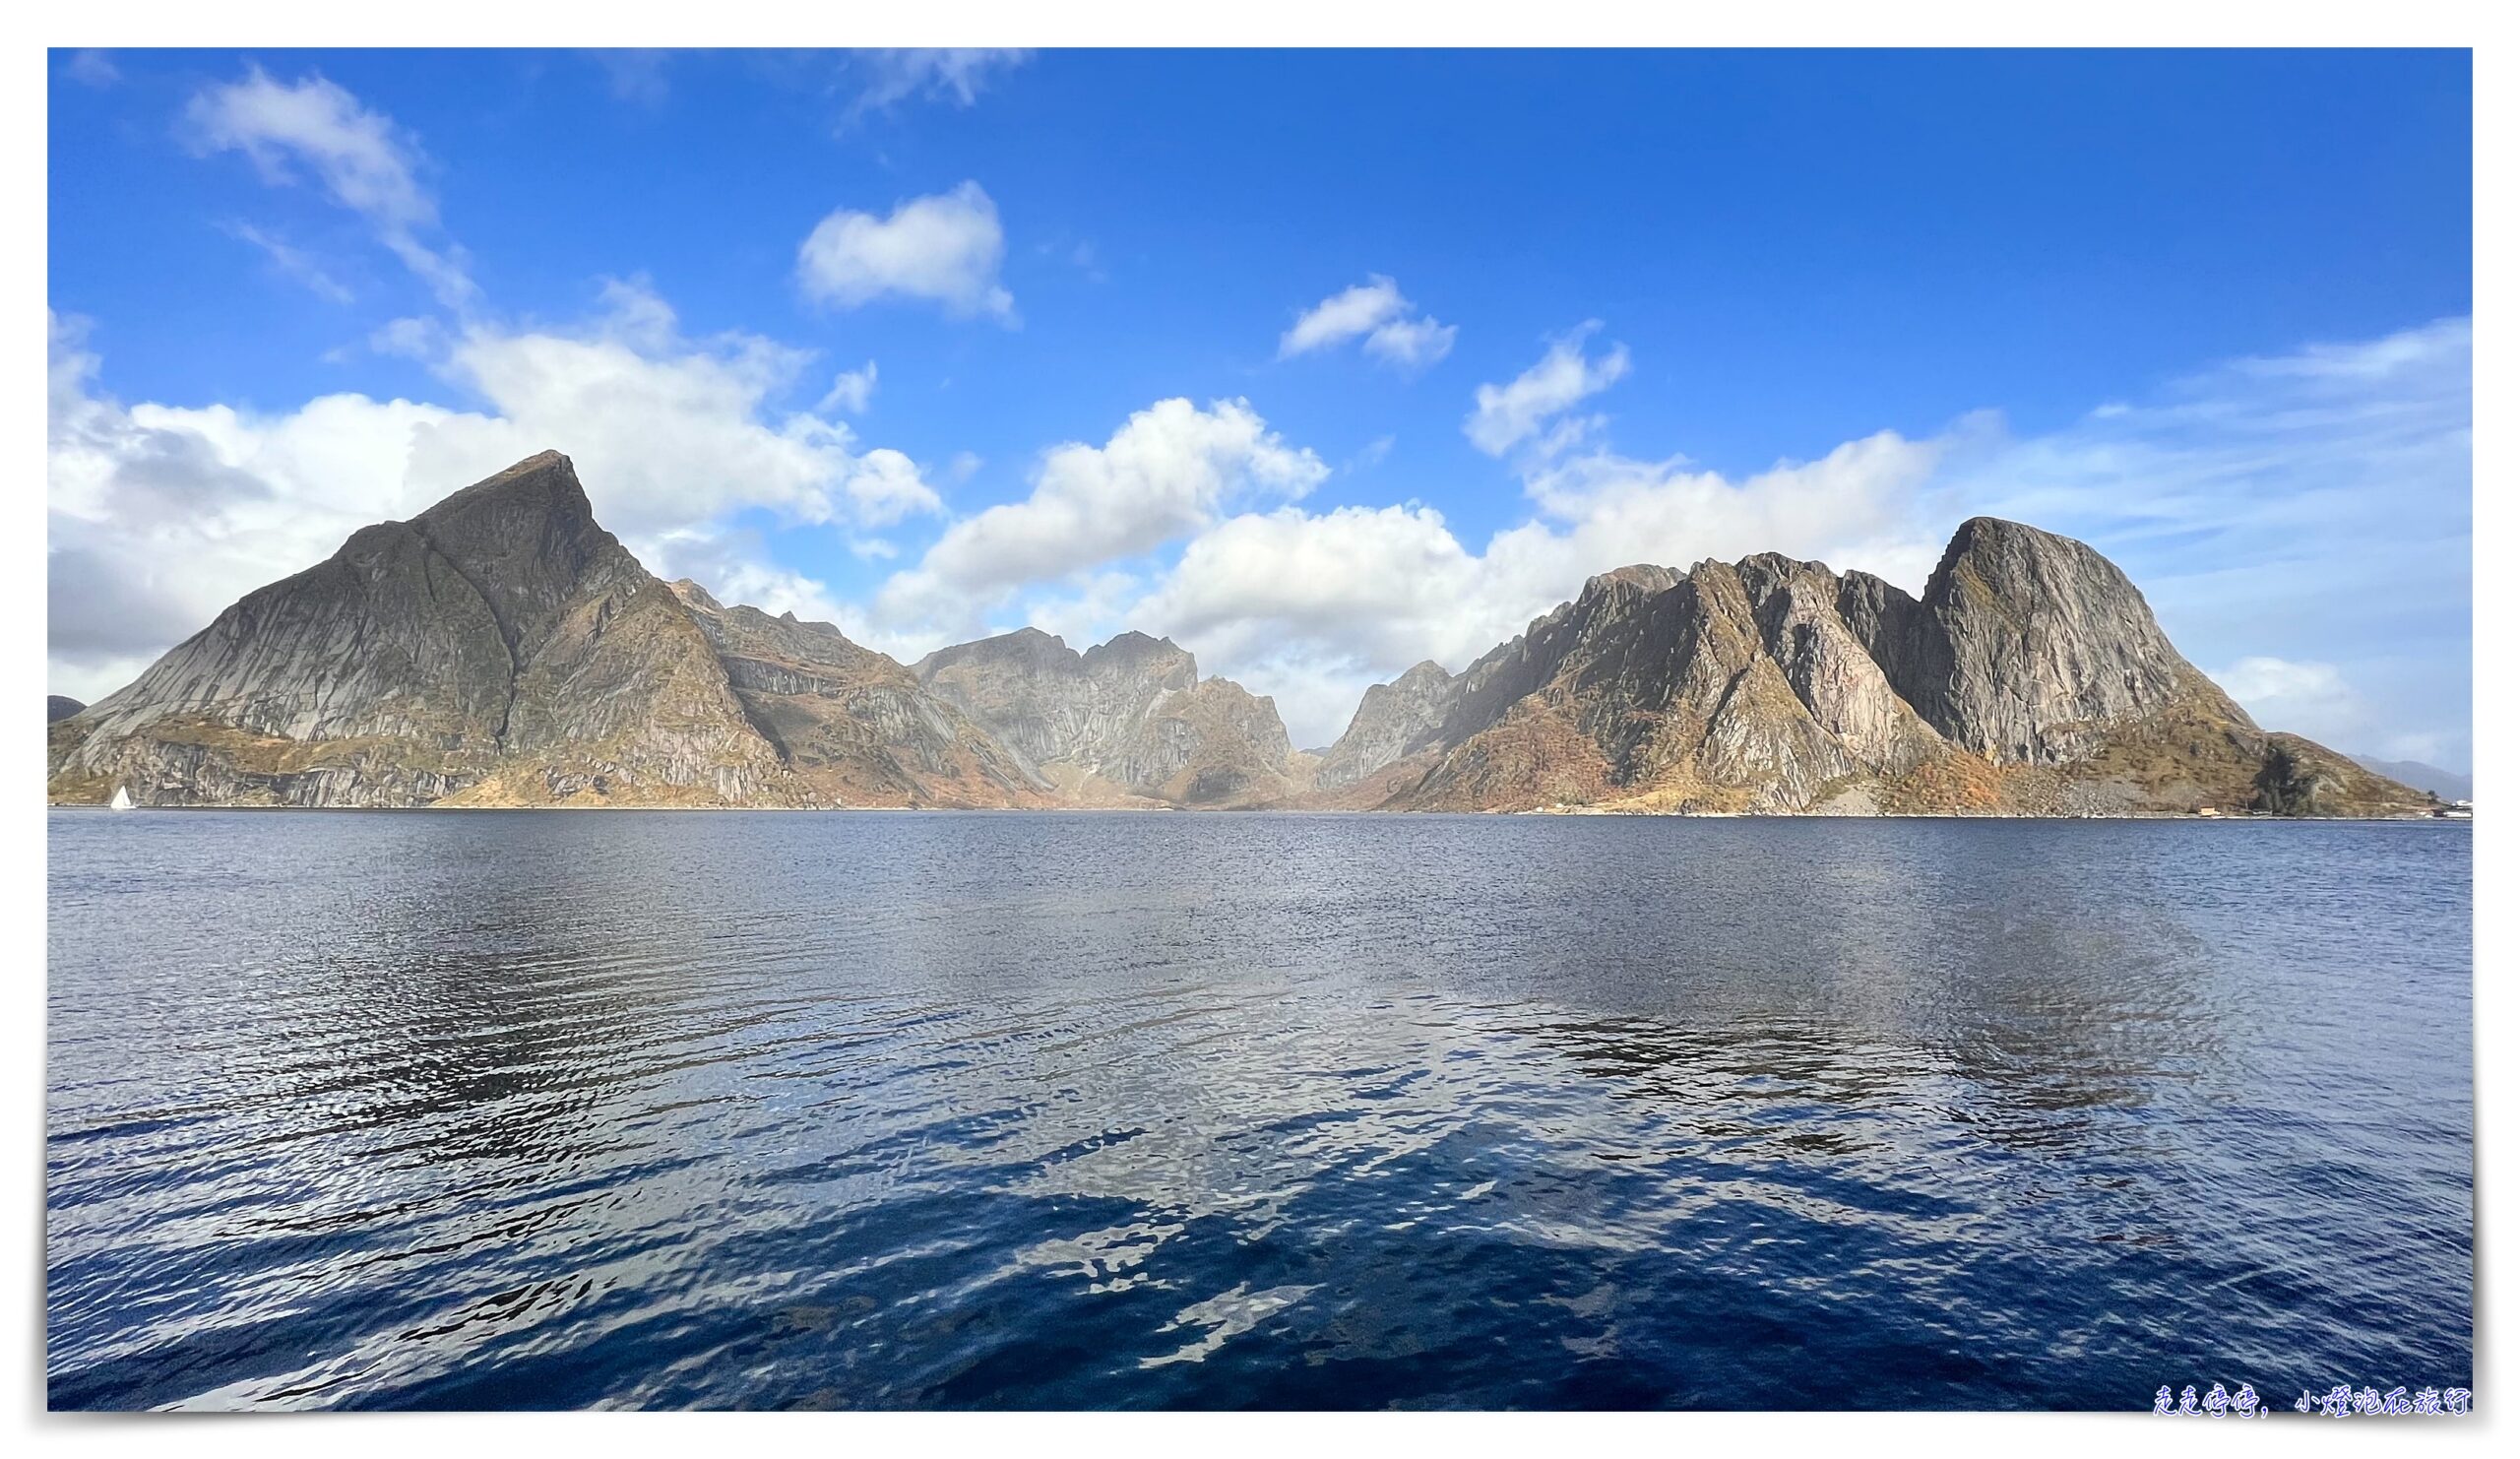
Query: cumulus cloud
x=1508, y=415
x=946, y=250
x=314, y=129
x=1166, y=472
x=159, y=515
x=1375, y=310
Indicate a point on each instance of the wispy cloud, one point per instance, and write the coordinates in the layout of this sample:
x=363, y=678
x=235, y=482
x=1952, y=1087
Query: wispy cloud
x=1506, y=416
x=92, y=68
x=314, y=129
x=888, y=78
x=292, y=260
x=635, y=76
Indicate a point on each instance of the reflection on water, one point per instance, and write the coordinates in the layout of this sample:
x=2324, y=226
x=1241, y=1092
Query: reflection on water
x=1112, y=1110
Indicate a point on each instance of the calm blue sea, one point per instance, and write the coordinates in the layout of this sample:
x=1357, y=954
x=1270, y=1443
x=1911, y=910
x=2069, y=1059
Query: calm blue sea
x=625, y=1109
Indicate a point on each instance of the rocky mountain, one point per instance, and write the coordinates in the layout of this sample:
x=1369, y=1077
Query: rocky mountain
x=59, y=706
x=851, y=723
x=503, y=648
x=1125, y=720
x=2029, y=679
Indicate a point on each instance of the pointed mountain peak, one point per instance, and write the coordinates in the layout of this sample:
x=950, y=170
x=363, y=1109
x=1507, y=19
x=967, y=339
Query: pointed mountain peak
x=1130, y=641
x=546, y=481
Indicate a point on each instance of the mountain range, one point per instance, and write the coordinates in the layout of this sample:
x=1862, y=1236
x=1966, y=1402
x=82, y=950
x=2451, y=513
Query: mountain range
x=2433, y=780
x=502, y=649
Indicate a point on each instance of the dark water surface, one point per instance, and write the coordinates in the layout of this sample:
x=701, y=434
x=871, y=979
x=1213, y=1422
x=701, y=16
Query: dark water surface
x=497, y=1110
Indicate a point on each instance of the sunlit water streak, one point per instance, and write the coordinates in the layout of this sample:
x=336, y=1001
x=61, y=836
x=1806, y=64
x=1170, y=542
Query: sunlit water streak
x=1120, y=1111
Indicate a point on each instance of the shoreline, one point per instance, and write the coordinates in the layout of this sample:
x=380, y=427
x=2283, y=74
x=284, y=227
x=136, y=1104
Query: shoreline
x=2257, y=817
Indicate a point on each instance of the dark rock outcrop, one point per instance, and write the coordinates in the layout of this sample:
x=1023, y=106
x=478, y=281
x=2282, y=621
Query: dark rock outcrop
x=2301, y=778
x=59, y=706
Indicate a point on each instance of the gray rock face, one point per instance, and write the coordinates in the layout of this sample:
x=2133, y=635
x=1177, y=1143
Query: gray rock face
x=1132, y=712
x=2031, y=646
x=1392, y=722
x=1828, y=667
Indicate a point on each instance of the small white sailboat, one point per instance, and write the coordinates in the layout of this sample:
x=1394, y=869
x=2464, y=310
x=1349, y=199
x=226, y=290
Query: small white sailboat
x=122, y=799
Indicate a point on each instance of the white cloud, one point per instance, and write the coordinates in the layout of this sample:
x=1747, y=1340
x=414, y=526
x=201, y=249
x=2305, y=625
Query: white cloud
x=1411, y=344
x=2307, y=698
x=849, y=391
x=1163, y=474
x=955, y=74
x=1167, y=472
x=359, y=158
x=946, y=248
x=1509, y=414
x=161, y=515
x=1376, y=311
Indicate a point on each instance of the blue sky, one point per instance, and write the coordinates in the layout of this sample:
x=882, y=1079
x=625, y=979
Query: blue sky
x=2208, y=311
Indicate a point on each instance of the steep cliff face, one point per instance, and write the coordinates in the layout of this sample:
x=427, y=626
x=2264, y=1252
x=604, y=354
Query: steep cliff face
x=851, y=724
x=2031, y=647
x=1392, y=722
x=1127, y=718
x=2029, y=679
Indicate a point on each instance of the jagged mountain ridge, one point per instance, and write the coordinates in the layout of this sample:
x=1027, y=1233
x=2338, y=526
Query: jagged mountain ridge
x=503, y=648
x=2030, y=677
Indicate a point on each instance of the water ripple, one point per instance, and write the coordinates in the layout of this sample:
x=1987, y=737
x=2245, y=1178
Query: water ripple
x=728, y=1111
